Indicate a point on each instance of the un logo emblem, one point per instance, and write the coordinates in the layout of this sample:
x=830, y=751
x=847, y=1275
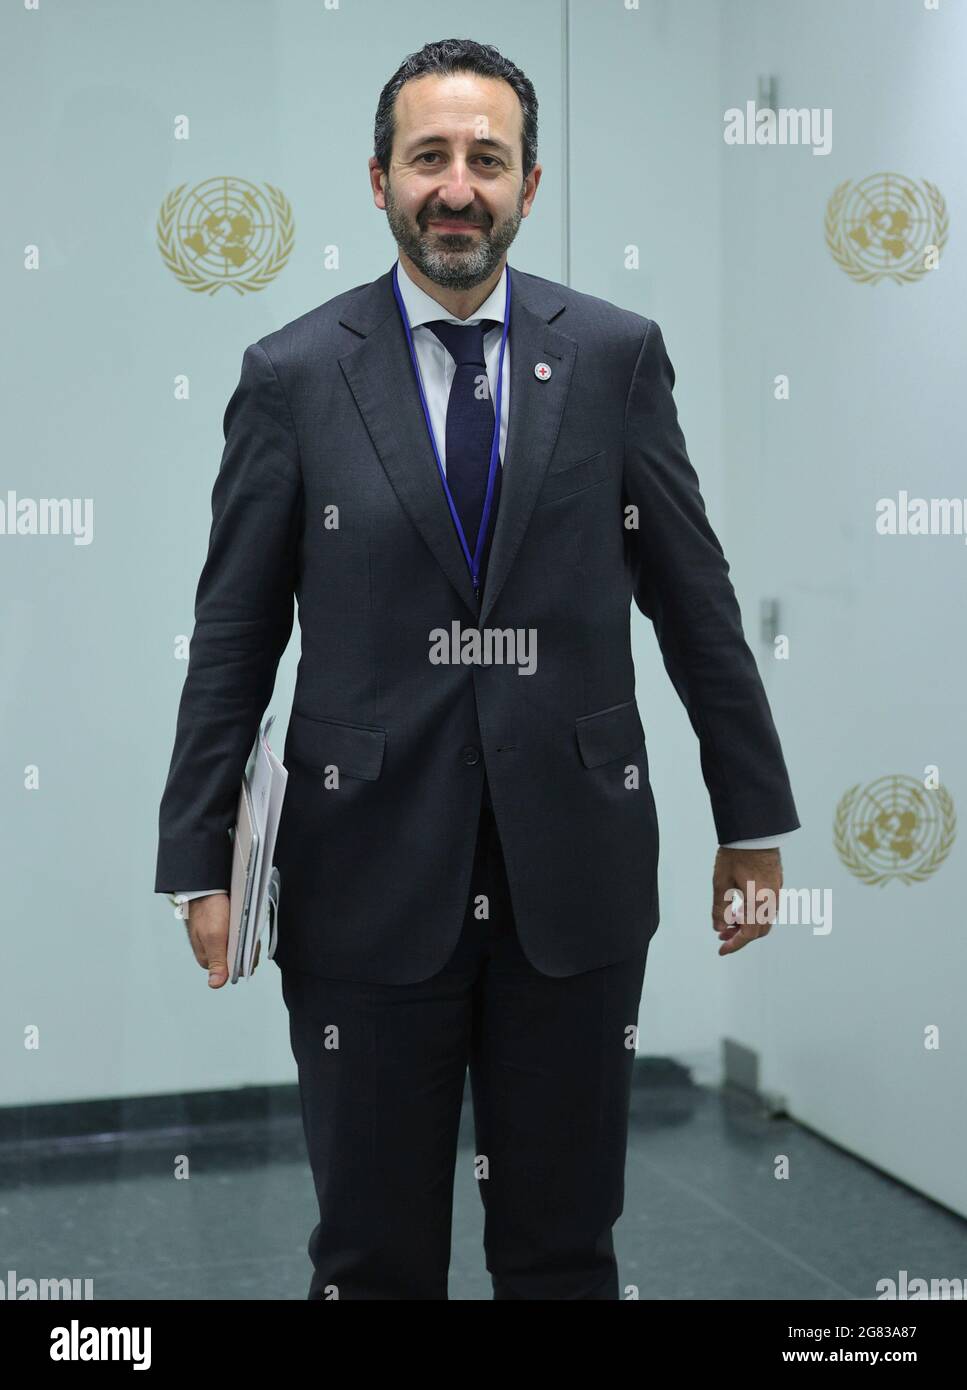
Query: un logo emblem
x=894, y=828
x=225, y=232
x=886, y=226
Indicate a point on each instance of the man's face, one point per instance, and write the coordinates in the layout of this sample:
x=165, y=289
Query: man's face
x=456, y=194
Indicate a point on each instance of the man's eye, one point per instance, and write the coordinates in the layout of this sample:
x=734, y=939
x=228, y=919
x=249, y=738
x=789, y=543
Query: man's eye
x=492, y=161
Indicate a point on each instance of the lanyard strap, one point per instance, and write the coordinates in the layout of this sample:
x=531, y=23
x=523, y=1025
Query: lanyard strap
x=472, y=560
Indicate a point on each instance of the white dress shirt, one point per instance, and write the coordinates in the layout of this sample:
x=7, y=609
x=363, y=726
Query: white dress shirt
x=437, y=370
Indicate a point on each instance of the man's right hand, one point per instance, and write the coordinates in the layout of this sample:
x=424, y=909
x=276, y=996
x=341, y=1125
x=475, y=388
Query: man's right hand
x=207, y=926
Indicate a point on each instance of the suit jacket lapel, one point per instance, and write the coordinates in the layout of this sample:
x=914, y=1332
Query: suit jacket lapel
x=536, y=408
x=380, y=375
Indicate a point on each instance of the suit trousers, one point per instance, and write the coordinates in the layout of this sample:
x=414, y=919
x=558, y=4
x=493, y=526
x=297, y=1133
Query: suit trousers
x=382, y=1071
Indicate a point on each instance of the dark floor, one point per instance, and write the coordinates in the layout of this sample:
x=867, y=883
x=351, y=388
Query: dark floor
x=704, y=1216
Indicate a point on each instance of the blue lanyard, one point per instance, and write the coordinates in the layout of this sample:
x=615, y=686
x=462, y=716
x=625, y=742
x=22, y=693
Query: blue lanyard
x=472, y=560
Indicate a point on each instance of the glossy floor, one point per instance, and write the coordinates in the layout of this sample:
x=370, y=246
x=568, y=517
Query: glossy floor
x=704, y=1216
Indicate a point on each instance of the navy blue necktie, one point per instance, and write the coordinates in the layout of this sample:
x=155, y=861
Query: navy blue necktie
x=470, y=428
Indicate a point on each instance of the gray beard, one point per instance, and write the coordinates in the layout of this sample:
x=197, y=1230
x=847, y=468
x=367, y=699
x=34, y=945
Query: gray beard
x=459, y=268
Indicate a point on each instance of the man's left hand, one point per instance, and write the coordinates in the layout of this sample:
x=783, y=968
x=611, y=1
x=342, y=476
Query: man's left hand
x=750, y=871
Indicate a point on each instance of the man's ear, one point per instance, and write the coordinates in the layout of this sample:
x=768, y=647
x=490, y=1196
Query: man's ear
x=378, y=188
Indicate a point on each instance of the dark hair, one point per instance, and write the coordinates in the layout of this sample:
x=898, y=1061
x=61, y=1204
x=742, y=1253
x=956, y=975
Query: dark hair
x=445, y=57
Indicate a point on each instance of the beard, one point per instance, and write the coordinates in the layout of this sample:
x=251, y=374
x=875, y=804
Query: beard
x=453, y=260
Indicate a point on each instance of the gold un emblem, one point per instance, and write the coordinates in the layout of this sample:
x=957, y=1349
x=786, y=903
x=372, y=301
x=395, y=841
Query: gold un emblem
x=886, y=226
x=225, y=232
x=894, y=828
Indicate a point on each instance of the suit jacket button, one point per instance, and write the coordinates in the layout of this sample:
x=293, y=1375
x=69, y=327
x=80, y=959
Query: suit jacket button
x=470, y=755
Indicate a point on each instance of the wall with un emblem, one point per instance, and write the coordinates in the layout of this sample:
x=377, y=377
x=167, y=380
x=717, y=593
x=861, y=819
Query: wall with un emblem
x=807, y=277
x=845, y=480
x=780, y=187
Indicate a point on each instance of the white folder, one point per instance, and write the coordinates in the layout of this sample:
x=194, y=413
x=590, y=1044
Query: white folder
x=256, y=886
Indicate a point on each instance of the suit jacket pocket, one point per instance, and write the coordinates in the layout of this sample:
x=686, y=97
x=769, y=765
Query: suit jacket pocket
x=575, y=477
x=609, y=733
x=355, y=749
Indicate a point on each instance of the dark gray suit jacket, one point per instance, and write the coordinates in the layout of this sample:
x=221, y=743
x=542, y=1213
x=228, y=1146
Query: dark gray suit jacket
x=375, y=872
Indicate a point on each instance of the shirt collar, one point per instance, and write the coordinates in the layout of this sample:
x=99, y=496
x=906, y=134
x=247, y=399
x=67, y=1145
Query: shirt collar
x=422, y=308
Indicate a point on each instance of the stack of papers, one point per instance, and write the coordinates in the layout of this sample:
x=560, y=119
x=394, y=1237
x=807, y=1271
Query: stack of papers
x=255, y=888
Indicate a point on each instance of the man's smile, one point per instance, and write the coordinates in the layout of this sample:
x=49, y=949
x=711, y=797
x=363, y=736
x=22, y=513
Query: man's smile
x=440, y=226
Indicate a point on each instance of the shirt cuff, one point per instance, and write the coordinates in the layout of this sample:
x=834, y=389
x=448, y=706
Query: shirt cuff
x=761, y=842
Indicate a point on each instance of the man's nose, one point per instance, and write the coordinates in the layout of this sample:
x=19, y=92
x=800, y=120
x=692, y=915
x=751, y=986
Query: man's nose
x=456, y=192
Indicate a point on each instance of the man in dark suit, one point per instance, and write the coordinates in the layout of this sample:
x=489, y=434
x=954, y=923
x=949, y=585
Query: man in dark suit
x=465, y=474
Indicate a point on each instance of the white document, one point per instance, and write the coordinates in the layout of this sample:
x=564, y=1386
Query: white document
x=267, y=786
x=244, y=861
